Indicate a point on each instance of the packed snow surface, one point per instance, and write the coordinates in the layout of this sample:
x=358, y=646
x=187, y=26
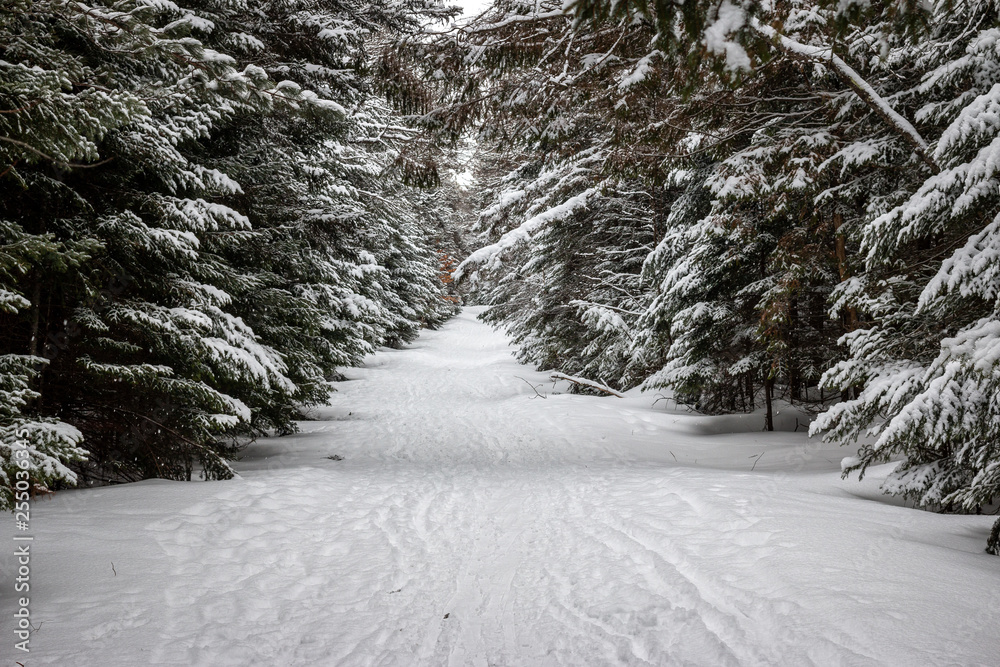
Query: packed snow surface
x=465, y=520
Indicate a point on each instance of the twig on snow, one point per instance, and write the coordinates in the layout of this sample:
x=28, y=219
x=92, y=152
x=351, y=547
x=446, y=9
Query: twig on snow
x=533, y=388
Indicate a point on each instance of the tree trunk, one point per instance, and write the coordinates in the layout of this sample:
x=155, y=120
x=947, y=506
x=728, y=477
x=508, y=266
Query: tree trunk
x=769, y=413
x=36, y=309
x=794, y=385
x=851, y=316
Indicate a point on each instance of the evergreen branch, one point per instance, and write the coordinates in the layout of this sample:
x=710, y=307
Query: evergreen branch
x=579, y=303
x=27, y=108
x=7, y=170
x=179, y=436
x=54, y=160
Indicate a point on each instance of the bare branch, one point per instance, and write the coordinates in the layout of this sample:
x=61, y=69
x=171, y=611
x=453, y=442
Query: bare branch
x=533, y=387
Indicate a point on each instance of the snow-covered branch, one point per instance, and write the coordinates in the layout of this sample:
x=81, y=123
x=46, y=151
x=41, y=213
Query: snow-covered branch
x=824, y=54
x=584, y=382
x=490, y=255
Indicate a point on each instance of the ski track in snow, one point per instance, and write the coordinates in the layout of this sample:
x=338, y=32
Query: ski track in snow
x=472, y=524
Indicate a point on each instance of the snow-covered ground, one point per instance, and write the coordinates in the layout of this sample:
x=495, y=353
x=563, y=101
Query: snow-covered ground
x=470, y=522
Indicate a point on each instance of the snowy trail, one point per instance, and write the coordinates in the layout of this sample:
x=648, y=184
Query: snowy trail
x=469, y=523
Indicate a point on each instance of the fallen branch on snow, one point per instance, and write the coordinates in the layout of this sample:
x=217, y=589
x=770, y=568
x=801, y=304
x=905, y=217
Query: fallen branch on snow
x=537, y=395
x=584, y=382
